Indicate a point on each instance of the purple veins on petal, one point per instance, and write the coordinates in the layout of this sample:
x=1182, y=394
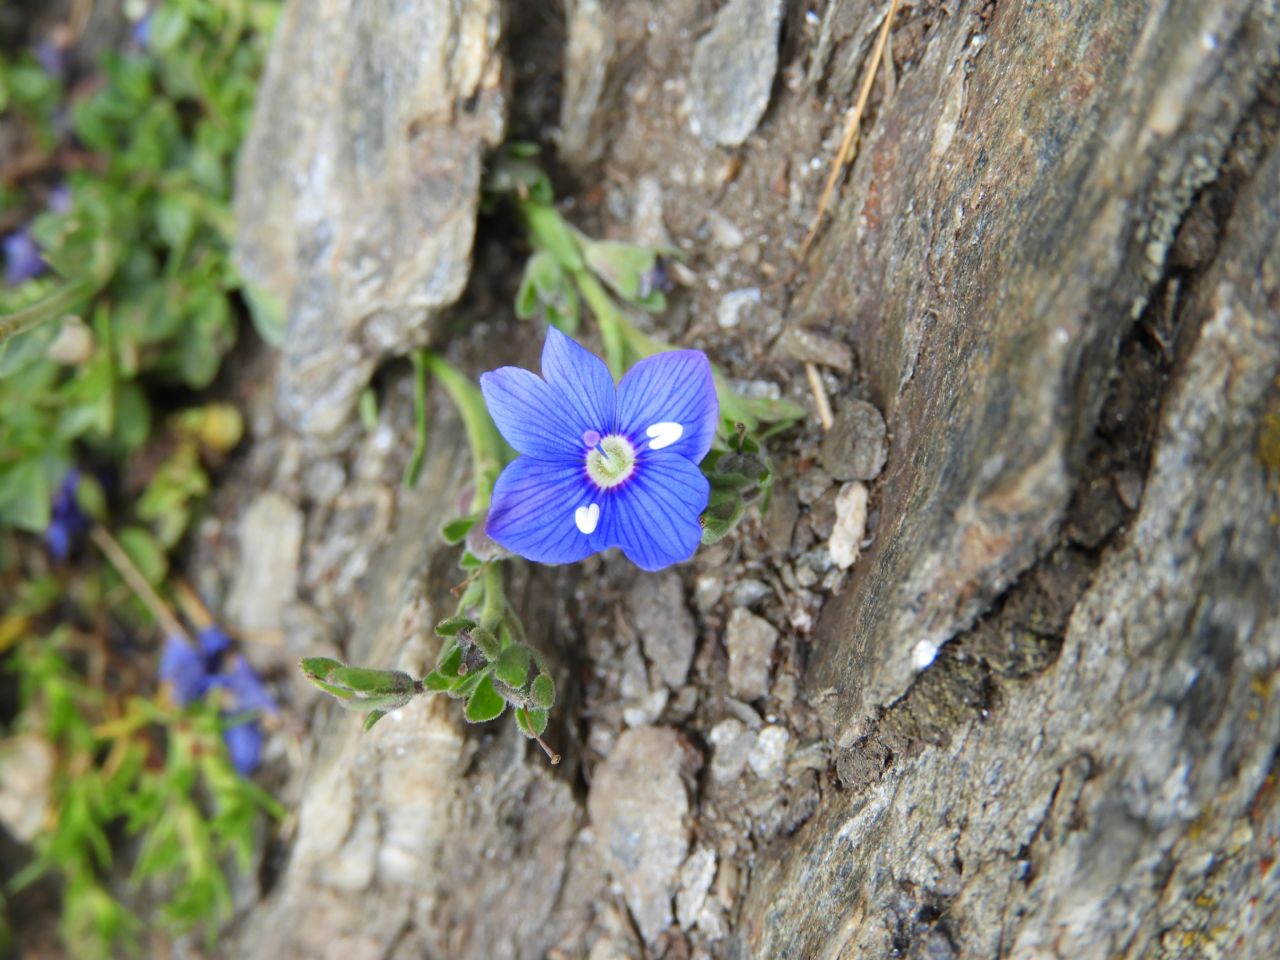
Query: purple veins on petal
x=654, y=519
x=534, y=507
x=602, y=466
x=583, y=381
x=529, y=414
x=675, y=387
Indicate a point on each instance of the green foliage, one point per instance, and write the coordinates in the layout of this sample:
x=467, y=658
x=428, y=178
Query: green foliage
x=140, y=306
x=142, y=291
x=159, y=773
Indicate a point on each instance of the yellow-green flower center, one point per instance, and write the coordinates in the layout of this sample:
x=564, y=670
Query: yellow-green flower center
x=611, y=462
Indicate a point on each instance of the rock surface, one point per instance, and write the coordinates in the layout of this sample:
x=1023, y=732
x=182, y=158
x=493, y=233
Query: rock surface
x=266, y=580
x=733, y=68
x=666, y=628
x=638, y=806
x=358, y=184
x=750, y=641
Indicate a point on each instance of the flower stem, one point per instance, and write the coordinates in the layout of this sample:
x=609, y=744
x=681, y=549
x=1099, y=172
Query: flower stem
x=613, y=325
x=495, y=599
x=487, y=449
x=137, y=582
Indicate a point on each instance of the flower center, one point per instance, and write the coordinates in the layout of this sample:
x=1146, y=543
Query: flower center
x=611, y=462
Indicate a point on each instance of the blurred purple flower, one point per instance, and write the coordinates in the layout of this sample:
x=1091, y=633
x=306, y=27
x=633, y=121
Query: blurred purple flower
x=247, y=690
x=22, y=259
x=141, y=32
x=244, y=744
x=52, y=58
x=213, y=643
x=185, y=670
x=67, y=521
x=59, y=198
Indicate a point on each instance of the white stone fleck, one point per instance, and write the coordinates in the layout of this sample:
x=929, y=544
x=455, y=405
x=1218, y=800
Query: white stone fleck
x=923, y=654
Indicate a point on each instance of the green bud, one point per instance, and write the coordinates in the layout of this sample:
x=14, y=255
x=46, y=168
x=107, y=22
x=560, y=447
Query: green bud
x=487, y=642
x=360, y=688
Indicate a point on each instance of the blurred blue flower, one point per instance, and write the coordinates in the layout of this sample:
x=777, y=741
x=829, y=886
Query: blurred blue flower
x=185, y=670
x=52, y=58
x=141, y=32
x=244, y=744
x=192, y=671
x=602, y=466
x=59, y=198
x=67, y=521
x=22, y=259
x=247, y=690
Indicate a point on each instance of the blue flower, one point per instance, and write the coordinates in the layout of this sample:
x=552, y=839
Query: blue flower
x=185, y=670
x=244, y=745
x=22, y=259
x=67, y=521
x=602, y=466
x=248, y=692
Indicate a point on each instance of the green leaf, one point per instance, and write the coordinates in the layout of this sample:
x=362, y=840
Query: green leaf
x=623, y=266
x=512, y=666
x=532, y=721
x=488, y=644
x=373, y=717
x=485, y=703
x=723, y=513
x=145, y=553
x=24, y=496
x=549, y=231
x=267, y=312
x=453, y=625
x=456, y=530
x=543, y=691
x=437, y=682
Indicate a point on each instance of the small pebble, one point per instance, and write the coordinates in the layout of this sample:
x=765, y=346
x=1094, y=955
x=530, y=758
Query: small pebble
x=855, y=447
x=851, y=525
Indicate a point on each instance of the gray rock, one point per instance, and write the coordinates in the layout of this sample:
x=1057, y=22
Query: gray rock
x=748, y=592
x=851, y=525
x=855, y=448
x=266, y=578
x=810, y=347
x=769, y=754
x=357, y=189
x=666, y=628
x=695, y=880
x=750, y=641
x=733, y=68
x=731, y=741
x=736, y=305
x=587, y=57
x=638, y=806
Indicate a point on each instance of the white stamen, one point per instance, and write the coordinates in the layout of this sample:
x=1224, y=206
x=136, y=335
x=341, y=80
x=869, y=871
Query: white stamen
x=591, y=438
x=587, y=518
x=663, y=434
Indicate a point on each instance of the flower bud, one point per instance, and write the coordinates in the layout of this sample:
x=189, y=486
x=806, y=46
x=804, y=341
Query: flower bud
x=360, y=688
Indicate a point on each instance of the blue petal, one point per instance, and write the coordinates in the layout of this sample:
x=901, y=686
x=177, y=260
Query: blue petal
x=244, y=745
x=182, y=667
x=653, y=517
x=213, y=642
x=675, y=387
x=530, y=415
x=247, y=689
x=534, y=502
x=582, y=380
